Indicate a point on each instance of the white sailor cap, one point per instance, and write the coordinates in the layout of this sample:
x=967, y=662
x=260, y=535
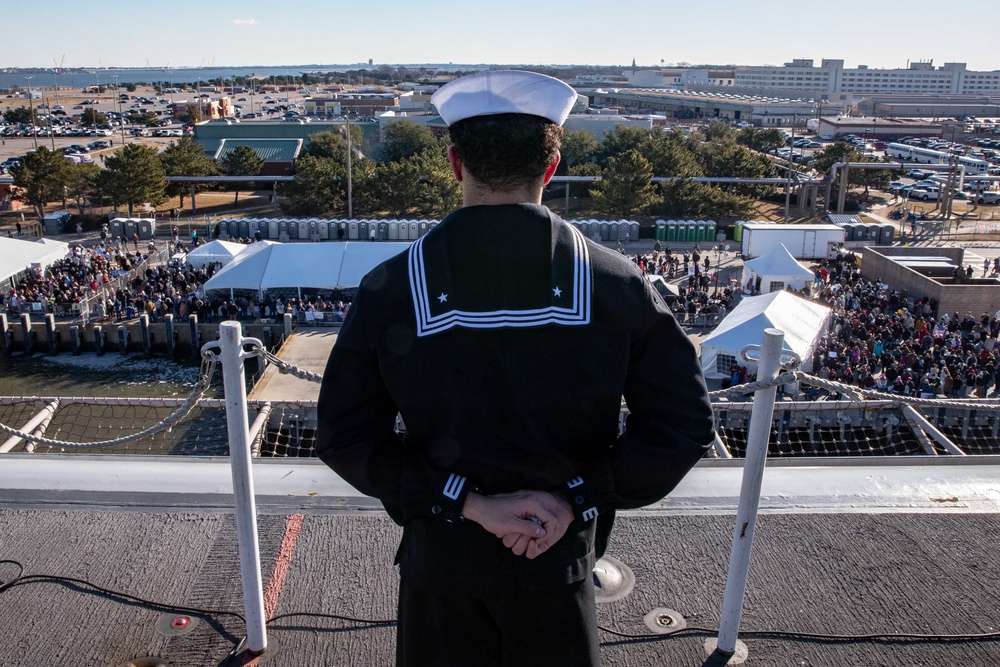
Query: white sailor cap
x=504, y=91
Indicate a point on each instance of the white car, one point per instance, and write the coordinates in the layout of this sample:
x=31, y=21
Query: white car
x=988, y=198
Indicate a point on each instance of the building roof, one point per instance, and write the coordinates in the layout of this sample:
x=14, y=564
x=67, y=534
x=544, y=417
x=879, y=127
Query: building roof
x=270, y=150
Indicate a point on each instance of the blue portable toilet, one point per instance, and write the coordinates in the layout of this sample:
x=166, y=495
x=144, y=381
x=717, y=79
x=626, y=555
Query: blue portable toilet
x=584, y=228
x=414, y=230
x=352, y=230
x=244, y=229
x=633, y=230
x=283, y=228
x=423, y=227
x=383, y=231
x=404, y=230
x=272, y=229
x=393, y=230
x=887, y=234
x=130, y=229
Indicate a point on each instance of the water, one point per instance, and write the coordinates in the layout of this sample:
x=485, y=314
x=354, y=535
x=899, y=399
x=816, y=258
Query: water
x=79, y=78
x=112, y=375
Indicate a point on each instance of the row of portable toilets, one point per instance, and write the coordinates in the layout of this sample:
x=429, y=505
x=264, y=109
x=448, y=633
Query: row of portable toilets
x=872, y=232
x=686, y=230
x=608, y=230
x=314, y=229
x=145, y=228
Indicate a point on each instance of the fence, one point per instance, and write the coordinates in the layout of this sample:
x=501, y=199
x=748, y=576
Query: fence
x=848, y=422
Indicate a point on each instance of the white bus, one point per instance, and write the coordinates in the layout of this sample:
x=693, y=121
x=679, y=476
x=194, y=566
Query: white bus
x=927, y=156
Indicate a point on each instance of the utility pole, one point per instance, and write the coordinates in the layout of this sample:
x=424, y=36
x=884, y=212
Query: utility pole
x=31, y=112
x=788, y=183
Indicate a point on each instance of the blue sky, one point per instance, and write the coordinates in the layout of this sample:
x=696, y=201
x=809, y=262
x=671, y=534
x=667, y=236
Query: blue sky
x=183, y=33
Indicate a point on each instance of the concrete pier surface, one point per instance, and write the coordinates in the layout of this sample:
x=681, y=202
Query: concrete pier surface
x=307, y=349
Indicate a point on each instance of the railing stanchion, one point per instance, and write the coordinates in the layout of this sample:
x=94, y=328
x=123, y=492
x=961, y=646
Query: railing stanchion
x=768, y=366
x=239, y=455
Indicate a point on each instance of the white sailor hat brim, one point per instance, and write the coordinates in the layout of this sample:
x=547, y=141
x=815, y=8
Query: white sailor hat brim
x=504, y=91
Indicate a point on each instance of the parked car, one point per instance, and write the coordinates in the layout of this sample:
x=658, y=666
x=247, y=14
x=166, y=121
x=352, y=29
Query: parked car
x=924, y=194
x=988, y=198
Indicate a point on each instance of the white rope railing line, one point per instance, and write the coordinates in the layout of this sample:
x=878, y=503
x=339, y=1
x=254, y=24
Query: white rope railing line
x=285, y=367
x=209, y=362
x=852, y=392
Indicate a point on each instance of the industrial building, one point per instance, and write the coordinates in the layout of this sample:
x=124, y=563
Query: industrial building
x=877, y=128
x=757, y=110
x=801, y=74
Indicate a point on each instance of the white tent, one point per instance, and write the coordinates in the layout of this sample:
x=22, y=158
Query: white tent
x=803, y=322
x=776, y=271
x=17, y=255
x=216, y=251
x=269, y=265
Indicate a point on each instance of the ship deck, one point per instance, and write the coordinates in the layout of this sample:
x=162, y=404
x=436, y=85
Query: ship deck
x=883, y=547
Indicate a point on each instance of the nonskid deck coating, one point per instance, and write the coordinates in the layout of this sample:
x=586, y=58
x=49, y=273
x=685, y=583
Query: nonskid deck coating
x=823, y=573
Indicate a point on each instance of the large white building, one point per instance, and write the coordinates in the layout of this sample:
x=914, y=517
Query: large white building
x=830, y=77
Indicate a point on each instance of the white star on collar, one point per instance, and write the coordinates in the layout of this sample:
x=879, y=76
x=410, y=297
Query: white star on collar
x=557, y=292
x=443, y=297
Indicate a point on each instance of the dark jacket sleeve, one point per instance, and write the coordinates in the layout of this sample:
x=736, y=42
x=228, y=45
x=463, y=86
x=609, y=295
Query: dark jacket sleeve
x=669, y=426
x=355, y=434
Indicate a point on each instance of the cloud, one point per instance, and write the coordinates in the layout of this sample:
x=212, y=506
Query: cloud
x=243, y=22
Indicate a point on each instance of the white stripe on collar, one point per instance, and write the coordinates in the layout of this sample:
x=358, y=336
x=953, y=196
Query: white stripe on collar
x=578, y=313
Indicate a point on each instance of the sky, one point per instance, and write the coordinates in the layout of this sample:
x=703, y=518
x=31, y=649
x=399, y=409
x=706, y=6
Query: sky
x=184, y=33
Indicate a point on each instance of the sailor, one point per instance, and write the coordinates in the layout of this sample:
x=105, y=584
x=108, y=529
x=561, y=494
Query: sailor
x=506, y=340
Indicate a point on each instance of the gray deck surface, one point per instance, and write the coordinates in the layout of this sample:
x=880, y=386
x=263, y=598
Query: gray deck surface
x=913, y=571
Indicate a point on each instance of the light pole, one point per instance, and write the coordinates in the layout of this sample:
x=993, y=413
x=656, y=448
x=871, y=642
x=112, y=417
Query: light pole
x=31, y=112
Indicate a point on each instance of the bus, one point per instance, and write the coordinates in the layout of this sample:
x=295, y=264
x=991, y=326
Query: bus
x=927, y=156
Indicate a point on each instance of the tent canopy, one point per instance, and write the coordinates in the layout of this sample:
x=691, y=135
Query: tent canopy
x=803, y=322
x=269, y=265
x=17, y=255
x=216, y=251
x=777, y=266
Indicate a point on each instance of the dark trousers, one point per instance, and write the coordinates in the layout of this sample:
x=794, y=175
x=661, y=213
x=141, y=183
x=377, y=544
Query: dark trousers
x=552, y=628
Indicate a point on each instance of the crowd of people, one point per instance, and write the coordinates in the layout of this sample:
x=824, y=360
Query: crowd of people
x=884, y=341
x=704, y=297
x=71, y=280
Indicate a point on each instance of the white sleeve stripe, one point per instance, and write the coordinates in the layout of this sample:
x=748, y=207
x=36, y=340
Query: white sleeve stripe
x=453, y=487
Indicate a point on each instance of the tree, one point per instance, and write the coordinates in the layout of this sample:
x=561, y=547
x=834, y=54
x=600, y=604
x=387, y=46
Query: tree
x=764, y=141
x=186, y=158
x=585, y=169
x=333, y=144
x=579, y=147
x=142, y=118
x=620, y=140
x=626, y=186
x=188, y=114
x=20, y=116
x=405, y=139
x=91, y=117
x=39, y=178
x=316, y=190
x=422, y=183
x=241, y=161
x=669, y=155
x=840, y=151
x=133, y=176
x=735, y=161
x=719, y=130
x=81, y=182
